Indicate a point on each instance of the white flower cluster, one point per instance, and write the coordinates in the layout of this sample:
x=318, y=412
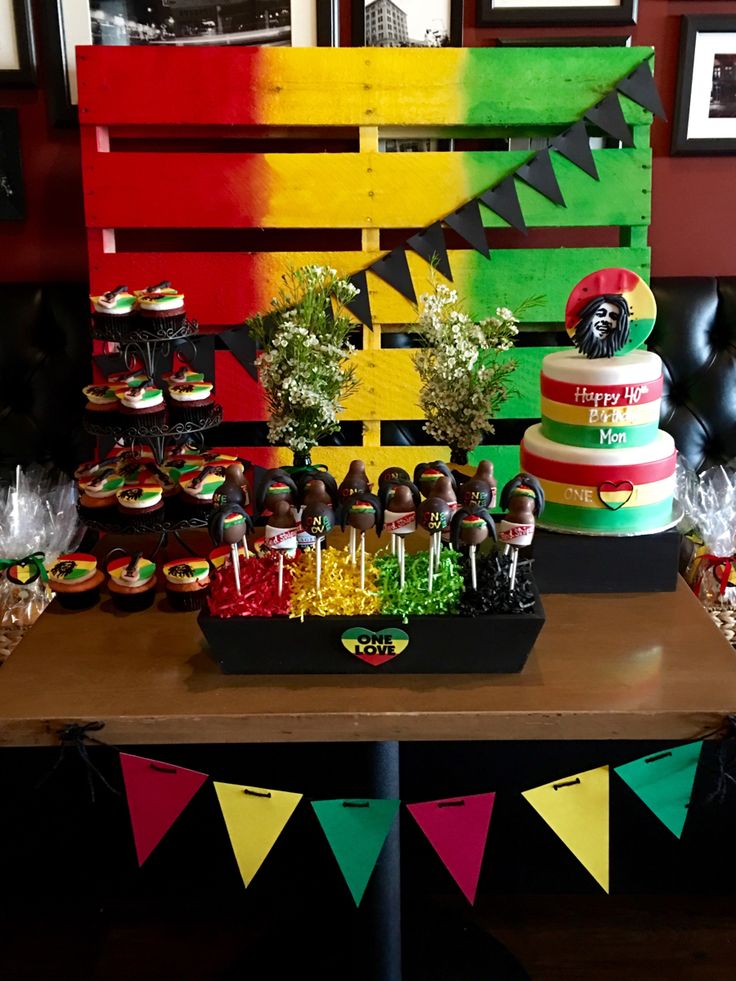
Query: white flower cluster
x=304, y=367
x=463, y=376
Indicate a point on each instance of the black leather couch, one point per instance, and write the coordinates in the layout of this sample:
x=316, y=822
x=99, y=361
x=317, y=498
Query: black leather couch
x=45, y=361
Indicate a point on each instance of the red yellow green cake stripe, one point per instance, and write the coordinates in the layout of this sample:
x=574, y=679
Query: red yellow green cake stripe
x=601, y=396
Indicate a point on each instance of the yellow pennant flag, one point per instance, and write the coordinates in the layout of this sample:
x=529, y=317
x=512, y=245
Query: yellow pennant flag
x=254, y=818
x=576, y=808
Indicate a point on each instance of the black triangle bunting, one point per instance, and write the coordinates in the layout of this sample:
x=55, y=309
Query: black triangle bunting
x=394, y=270
x=242, y=345
x=640, y=87
x=430, y=245
x=539, y=174
x=468, y=224
x=361, y=304
x=503, y=199
x=609, y=117
x=574, y=145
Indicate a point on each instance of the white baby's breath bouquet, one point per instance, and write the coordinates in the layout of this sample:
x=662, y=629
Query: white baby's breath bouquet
x=304, y=366
x=462, y=367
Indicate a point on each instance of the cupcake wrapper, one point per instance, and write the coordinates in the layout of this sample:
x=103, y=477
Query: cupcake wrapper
x=133, y=602
x=162, y=321
x=187, y=602
x=195, y=412
x=139, y=424
x=140, y=517
x=106, y=321
x=82, y=600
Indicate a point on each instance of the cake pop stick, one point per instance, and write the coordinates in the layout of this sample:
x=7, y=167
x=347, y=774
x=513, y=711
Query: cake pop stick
x=229, y=525
x=400, y=500
x=281, y=532
x=471, y=526
x=523, y=498
x=361, y=512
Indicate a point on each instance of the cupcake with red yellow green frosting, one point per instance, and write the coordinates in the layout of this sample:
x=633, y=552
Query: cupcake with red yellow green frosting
x=141, y=503
x=112, y=308
x=161, y=305
x=127, y=379
x=101, y=399
x=98, y=489
x=190, y=401
x=142, y=407
x=131, y=582
x=76, y=580
x=199, y=487
x=183, y=376
x=187, y=582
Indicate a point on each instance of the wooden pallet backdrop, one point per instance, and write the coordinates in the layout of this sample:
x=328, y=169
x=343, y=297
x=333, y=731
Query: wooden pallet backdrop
x=188, y=154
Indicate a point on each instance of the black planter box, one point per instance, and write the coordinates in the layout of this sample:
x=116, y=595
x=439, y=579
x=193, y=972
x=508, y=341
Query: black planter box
x=599, y=564
x=498, y=644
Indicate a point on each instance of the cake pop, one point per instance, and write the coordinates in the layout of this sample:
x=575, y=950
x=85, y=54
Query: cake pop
x=235, y=488
x=427, y=474
x=392, y=475
x=435, y=515
x=400, y=518
x=355, y=481
x=471, y=526
x=480, y=489
x=318, y=520
x=361, y=512
x=229, y=525
x=275, y=485
x=281, y=531
x=523, y=500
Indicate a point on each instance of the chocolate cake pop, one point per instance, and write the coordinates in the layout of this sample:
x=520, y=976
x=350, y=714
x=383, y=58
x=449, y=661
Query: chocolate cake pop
x=275, y=485
x=235, y=488
x=316, y=481
x=400, y=518
x=281, y=532
x=480, y=489
x=361, y=512
x=229, y=525
x=435, y=516
x=318, y=520
x=392, y=475
x=523, y=500
x=355, y=481
x=471, y=526
x=426, y=476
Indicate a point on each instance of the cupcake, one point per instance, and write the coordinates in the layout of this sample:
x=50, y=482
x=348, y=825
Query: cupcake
x=190, y=401
x=141, y=503
x=114, y=308
x=182, y=376
x=76, y=580
x=102, y=403
x=127, y=379
x=166, y=477
x=161, y=306
x=132, y=582
x=199, y=487
x=142, y=407
x=98, y=489
x=187, y=582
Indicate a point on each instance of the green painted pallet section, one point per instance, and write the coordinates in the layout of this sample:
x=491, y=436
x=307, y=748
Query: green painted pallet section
x=525, y=402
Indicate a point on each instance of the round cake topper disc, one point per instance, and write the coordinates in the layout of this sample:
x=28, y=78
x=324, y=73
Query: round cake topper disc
x=583, y=317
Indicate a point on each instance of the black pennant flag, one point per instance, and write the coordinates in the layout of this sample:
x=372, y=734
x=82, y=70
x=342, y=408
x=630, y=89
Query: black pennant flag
x=539, y=174
x=503, y=199
x=242, y=345
x=609, y=117
x=574, y=145
x=361, y=304
x=467, y=222
x=430, y=245
x=639, y=86
x=394, y=270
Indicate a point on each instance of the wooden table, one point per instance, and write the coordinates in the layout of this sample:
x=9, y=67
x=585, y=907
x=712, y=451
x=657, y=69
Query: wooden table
x=635, y=666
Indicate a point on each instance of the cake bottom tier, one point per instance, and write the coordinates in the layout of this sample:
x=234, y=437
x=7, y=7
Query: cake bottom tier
x=616, y=492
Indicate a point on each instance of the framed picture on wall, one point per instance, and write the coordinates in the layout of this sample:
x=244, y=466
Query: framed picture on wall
x=406, y=23
x=12, y=199
x=524, y=12
x=705, y=105
x=68, y=23
x=17, y=54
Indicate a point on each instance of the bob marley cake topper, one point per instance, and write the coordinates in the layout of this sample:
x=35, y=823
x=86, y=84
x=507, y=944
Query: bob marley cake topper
x=609, y=313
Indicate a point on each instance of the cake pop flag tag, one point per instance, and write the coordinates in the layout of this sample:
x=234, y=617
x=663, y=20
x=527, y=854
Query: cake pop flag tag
x=664, y=781
x=254, y=818
x=356, y=831
x=610, y=313
x=457, y=829
x=157, y=793
x=576, y=808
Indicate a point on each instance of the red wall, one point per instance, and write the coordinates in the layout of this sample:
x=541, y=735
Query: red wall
x=694, y=203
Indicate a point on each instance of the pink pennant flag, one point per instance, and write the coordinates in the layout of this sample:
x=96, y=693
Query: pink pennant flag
x=157, y=794
x=457, y=829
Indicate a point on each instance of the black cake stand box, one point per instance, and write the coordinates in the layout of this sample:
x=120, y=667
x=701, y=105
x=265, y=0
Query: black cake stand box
x=497, y=644
x=601, y=564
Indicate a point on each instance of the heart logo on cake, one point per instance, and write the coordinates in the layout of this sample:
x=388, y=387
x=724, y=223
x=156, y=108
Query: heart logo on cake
x=375, y=647
x=615, y=494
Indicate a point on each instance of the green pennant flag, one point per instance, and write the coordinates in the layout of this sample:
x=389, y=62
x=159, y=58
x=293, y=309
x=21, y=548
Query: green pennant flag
x=664, y=781
x=356, y=831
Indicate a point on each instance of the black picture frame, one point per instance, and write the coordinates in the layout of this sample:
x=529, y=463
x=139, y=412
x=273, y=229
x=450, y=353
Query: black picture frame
x=491, y=15
x=357, y=23
x=693, y=28
x=12, y=197
x=605, y=41
x=25, y=73
x=63, y=112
